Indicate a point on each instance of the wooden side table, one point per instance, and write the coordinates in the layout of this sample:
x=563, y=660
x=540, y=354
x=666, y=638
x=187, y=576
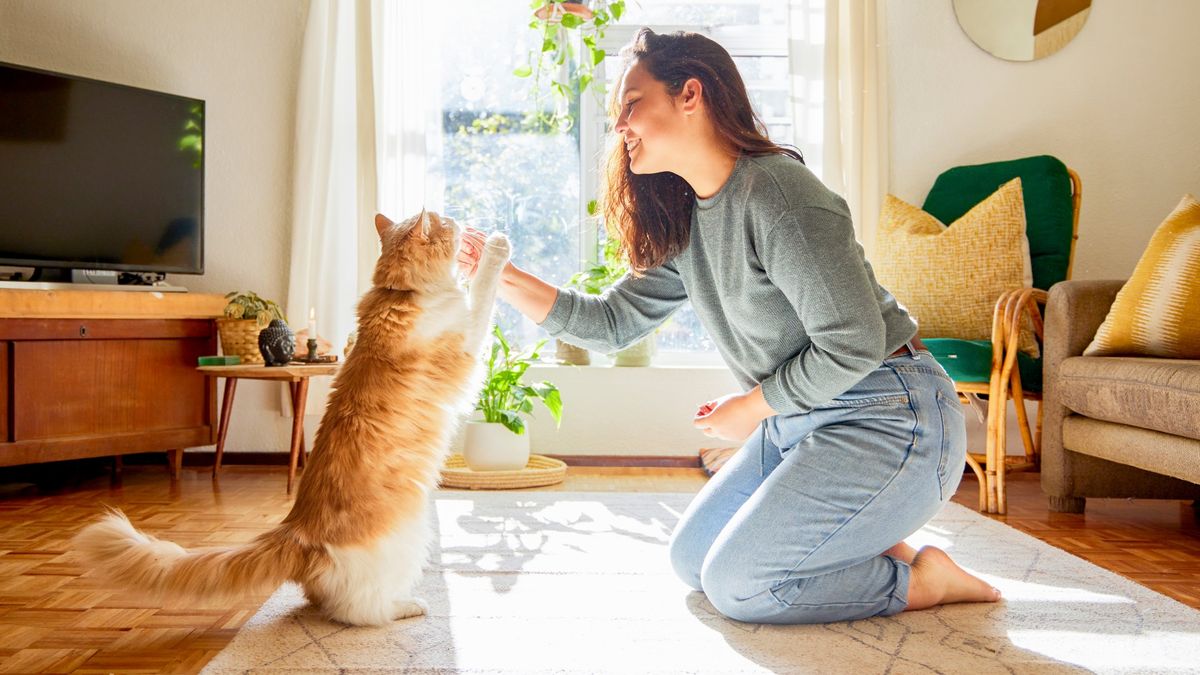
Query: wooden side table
x=297, y=378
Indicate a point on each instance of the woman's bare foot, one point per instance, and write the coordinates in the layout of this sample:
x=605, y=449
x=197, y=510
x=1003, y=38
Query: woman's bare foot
x=902, y=551
x=937, y=580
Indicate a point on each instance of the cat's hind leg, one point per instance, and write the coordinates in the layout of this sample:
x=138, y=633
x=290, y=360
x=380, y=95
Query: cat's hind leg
x=372, y=585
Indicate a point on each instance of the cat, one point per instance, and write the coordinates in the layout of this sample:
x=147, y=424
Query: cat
x=357, y=536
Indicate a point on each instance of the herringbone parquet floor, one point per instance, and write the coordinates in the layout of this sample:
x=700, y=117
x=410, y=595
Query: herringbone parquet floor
x=55, y=618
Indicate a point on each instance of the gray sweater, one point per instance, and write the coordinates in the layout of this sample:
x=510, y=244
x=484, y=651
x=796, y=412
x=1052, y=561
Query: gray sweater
x=777, y=278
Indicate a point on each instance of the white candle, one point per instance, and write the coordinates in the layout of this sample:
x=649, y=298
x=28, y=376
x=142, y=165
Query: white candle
x=312, y=323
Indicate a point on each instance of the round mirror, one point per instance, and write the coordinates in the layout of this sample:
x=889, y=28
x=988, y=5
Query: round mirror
x=1021, y=30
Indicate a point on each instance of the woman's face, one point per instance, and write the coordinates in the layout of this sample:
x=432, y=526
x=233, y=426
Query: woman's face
x=651, y=124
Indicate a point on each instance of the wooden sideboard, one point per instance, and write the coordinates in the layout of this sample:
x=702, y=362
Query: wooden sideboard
x=96, y=373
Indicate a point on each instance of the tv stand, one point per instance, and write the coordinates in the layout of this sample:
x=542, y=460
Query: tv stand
x=102, y=288
x=89, y=373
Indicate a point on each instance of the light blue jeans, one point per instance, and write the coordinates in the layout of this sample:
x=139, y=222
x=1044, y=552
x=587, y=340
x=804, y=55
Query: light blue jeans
x=793, y=527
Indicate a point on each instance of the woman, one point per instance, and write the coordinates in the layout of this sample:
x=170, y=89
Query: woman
x=853, y=435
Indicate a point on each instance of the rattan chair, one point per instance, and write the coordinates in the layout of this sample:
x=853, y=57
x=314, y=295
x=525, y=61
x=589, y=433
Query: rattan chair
x=996, y=369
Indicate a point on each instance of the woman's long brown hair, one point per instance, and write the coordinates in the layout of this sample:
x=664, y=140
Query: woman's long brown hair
x=651, y=214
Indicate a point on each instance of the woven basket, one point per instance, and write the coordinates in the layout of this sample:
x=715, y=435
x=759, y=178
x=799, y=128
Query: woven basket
x=240, y=337
x=539, y=471
x=569, y=355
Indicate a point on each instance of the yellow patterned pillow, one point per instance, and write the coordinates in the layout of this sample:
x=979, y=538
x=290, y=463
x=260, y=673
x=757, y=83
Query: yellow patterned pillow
x=949, y=278
x=1155, y=314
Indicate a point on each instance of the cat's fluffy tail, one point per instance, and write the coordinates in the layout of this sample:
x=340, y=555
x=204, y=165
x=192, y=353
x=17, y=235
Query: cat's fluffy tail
x=138, y=561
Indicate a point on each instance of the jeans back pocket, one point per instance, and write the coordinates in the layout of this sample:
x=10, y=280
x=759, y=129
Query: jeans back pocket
x=954, y=442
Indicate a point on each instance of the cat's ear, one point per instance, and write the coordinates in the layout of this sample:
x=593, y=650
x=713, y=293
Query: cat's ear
x=424, y=220
x=382, y=224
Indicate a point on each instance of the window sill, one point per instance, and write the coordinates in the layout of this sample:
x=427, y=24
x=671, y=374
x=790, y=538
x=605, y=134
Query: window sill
x=698, y=367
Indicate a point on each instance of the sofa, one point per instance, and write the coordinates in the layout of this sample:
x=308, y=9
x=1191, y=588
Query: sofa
x=1121, y=426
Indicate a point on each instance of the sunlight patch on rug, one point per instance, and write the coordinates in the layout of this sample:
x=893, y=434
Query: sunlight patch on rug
x=545, y=582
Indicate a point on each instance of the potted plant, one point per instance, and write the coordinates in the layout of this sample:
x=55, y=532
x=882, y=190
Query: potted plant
x=641, y=352
x=599, y=277
x=245, y=315
x=498, y=442
x=592, y=281
x=567, y=354
x=569, y=51
x=638, y=354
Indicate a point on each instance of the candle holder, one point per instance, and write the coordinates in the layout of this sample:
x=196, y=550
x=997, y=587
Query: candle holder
x=310, y=356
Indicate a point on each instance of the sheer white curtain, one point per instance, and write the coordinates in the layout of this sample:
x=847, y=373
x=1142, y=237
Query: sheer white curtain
x=360, y=149
x=806, y=70
x=856, y=114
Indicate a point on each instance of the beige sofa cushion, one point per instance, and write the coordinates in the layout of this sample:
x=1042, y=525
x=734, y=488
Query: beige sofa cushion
x=1150, y=450
x=1151, y=393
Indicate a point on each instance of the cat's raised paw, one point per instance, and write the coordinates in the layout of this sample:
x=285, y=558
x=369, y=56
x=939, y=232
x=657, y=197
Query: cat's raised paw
x=498, y=245
x=409, y=607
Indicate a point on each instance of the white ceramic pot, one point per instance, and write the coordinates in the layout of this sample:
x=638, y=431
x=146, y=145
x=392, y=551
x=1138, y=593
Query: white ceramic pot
x=637, y=354
x=490, y=446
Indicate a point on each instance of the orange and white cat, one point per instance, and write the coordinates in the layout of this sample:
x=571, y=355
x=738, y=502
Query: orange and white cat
x=358, y=534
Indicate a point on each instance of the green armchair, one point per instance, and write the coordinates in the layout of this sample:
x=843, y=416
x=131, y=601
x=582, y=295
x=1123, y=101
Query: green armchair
x=996, y=369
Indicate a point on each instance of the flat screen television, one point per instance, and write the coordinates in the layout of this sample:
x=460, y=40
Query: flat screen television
x=98, y=176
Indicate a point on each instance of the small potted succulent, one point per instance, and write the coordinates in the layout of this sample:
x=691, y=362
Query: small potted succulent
x=499, y=441
x=246, y=314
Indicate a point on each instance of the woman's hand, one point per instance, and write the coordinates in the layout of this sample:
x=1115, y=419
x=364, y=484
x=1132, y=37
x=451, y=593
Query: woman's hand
x=470, y=250
x=733, y=417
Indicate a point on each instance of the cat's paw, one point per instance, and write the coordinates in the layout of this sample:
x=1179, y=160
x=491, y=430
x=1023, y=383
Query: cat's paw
x=409, y=607
x=499, y=246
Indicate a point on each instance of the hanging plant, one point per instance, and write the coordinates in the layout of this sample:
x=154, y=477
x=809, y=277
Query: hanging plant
x=568, y=50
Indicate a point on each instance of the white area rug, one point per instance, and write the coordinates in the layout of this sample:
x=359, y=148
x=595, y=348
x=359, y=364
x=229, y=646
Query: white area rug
x=553, y=582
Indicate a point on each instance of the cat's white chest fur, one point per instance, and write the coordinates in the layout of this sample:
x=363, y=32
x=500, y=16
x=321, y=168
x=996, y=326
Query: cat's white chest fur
x=442, y=311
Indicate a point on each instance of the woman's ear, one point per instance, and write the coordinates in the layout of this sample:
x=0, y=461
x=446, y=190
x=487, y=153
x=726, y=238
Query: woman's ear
x=691, y=95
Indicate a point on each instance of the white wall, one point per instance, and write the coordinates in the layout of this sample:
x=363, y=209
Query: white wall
x=243, y=59
x=626, y=411
x=1120, y=104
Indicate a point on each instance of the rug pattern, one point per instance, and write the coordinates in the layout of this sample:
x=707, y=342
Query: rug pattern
x=546, y=582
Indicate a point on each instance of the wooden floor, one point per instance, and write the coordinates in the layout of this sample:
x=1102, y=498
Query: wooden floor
x=55, y=618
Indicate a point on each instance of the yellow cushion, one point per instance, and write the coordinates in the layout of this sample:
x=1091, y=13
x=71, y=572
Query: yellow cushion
x=949, y=278
x=1155, y=314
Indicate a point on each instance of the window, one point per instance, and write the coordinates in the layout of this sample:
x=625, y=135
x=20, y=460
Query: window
x=494, y=172
x=497, y=172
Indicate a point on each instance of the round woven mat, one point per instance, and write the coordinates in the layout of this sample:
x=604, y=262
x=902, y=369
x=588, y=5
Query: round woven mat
x=538, y=472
